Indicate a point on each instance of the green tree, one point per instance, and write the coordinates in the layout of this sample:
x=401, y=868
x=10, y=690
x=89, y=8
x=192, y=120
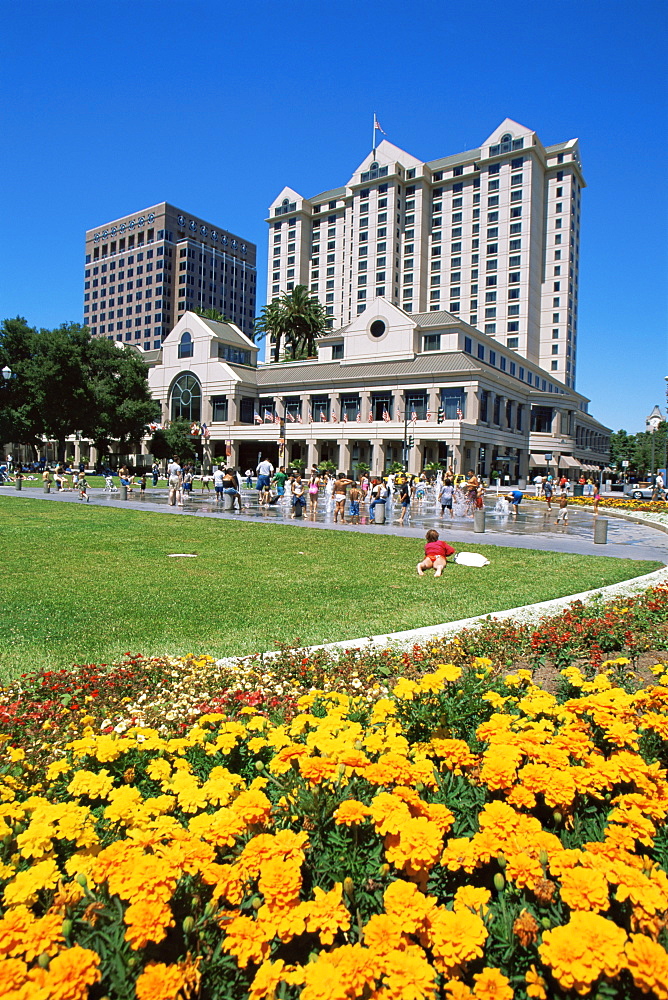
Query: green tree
x=213, y=314
x=179, y=439
x=622, y=446
x=305, y=321
x=271, y=323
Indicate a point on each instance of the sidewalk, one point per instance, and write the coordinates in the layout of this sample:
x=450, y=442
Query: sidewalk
x=533, y=528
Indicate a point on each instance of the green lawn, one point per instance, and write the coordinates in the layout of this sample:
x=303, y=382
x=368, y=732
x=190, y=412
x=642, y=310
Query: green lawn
x=84, y=584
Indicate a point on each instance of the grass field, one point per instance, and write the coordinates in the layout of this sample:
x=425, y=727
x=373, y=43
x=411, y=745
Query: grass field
x=84, y=584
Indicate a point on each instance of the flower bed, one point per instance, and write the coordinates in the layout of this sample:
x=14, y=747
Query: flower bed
x=421, y=828
x=615, y=503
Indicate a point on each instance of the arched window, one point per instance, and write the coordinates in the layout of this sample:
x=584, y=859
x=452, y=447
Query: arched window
x=186, y=398
x=186, y=345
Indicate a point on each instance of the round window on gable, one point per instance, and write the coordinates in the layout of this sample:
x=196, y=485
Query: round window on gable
x=377, y=328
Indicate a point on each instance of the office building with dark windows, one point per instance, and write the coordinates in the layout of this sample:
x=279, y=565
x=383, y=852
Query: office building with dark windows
x=492, y=235
x=143, y=271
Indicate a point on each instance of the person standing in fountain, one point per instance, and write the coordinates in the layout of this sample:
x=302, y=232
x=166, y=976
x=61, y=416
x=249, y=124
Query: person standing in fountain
x=445, y=497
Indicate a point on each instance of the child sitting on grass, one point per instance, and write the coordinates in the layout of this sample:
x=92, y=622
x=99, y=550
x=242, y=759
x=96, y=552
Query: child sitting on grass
x=435, y=554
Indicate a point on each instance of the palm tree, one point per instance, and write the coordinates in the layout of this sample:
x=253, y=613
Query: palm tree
x=305, y=320
x=213, y=314
x=271, y=323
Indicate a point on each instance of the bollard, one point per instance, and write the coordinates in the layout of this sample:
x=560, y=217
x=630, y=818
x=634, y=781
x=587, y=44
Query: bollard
x=46, y=487
x=478, y=520
x=19, y=484
x=124, y=492
x=228, y=501
x=601, y=531
x=379, y=513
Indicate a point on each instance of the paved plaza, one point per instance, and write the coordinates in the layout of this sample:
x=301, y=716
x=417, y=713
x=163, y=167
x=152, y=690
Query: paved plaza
x=534, y=527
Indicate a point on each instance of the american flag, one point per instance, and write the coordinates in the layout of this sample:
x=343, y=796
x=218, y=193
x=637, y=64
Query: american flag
x=345, y=418
x=358, y=418
x=323, y=416
x=428, y=414
x=460, y=415
x=371, y=416
x=277, y=419
x=310, y=415
x=268, y=417
x=257, y=418
x=288, y=416
x=386, y=416
x=413, y=417
x=376, y=124
x=334, y=418
x=299, y=419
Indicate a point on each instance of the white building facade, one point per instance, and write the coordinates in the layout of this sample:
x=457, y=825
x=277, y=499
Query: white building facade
x=390, y=386
x=492, y=235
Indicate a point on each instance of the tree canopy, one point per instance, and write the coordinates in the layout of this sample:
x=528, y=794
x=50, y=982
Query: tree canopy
x=65, y=382
x=637, y=450
x=294, y=321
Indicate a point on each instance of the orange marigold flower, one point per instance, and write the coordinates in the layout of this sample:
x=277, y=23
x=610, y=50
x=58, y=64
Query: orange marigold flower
x=490, y=984
x=253, y=807
x=246, y=940
x=417, y=846
x=351, y=811
x=389, y=813
x=521, y=798
x=336, y=975
x=318, y=769
x=525, y=871
x=280, y=882
x=382, y=933
x=72, y=972
x=408, y=976
x=535, y=984
x=473, y=898
x=456, y=990
x=407, y=906
x=166, y=982
x=580, y=951
x=455, y=937
x=147, y=920
x=525, y=928
x=647, y=962
x=326, y=914
x=584, y=889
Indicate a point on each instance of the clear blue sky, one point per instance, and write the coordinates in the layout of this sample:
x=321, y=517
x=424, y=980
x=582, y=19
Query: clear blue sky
x=109, y=107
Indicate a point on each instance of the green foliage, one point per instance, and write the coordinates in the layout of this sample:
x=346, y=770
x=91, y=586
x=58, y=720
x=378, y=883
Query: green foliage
x=296, y=320
x=174, y=440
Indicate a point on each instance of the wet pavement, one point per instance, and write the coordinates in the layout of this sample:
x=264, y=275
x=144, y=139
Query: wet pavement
x=534, y=527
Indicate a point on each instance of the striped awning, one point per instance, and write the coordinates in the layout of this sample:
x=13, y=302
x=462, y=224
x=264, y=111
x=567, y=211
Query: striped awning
x=568, y=462
x=537, y=460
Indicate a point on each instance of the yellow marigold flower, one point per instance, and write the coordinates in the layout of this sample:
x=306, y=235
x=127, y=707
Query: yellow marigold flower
x=268, y=978
x=584, y=889
x=460, y=853
x=56, y=768
x=416, y=847
x=14, y=978
x=348, y=971
x=647, y=962
x=472, y=898
x=282, y=761
x=490, y=984
x=495, y=699
x=582, y=950
x=72, y=972
x=147, y=920
x=407, y=906
x=159, y=769
x=326, y=914
x=405, y=690
x=95, y=786
x=454, y=753
x=521, y=798
x=25, y=885
x=246, y=940
x=167, y=982
x=535, y=984
x=123, y=804
x=455, y=937
x=104, y=749
x=36, y=841
x=350, y=812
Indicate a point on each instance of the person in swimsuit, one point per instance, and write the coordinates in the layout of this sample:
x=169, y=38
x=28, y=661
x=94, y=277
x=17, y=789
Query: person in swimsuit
x=354, y=509
x=436, y=553
x=340, y=486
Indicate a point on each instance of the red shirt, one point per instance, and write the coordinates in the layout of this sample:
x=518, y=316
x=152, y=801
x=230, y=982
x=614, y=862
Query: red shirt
x=433, y=549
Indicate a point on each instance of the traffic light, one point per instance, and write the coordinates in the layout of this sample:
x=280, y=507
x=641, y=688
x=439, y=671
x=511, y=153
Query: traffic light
x=411, y=441
x=441, y=415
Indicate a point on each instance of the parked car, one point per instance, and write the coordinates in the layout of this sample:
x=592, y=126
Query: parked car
x=642, y=491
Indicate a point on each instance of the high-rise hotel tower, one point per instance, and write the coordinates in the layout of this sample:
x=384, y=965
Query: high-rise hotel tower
x=491, y=235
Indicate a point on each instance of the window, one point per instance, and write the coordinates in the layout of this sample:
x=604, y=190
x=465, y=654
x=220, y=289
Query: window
x=185, y=349
x=467, y=345
x=453, y=401
x=481, y=352
x=186, y=397
x=219, y=408
x=490, y=328
x=337, y=352
x=432, y=342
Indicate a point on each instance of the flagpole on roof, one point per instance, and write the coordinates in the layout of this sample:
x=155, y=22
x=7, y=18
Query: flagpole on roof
x=373, y=143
